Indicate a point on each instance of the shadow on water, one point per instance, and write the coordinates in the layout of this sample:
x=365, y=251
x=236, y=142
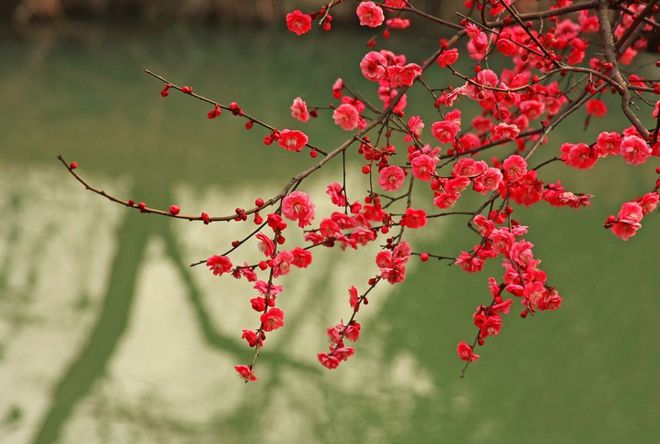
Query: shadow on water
x=91, y=362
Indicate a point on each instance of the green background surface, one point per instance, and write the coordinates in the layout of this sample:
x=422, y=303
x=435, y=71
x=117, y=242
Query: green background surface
x=74, y=269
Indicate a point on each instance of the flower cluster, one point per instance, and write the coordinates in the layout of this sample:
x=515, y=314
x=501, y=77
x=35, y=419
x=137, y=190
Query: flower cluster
x=629, y=145
x=629, y=219
x=416, y=170
x=522, y=277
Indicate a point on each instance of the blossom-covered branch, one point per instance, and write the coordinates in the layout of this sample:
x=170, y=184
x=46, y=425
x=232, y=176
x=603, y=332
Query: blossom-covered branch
x=557, y=62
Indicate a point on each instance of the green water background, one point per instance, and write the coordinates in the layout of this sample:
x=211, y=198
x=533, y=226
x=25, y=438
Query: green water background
x=586, y=373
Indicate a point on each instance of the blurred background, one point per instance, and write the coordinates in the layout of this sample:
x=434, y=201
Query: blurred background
x=245, y=11
x=107, y=336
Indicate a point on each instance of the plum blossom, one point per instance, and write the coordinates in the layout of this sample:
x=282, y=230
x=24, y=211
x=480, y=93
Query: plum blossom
x=245, y=372
x=297, y=206
x=391, y=178
x=628, y=221
x=272, y=319
x=346, y=116
x=336, y=192
x=447, y=57
x=374, y=66
x=514, y=168
x=219, y=264
x=299, y=110
x=298, y=23
x=423, y=167
x=578, y=155
x=414, y=218
x=634, y=150
x=608, y=143
x=465, y=352
x=292, y=140
x=370, y=14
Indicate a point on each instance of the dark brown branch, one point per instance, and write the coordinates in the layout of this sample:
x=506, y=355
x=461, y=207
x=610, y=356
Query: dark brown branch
x=610, y=55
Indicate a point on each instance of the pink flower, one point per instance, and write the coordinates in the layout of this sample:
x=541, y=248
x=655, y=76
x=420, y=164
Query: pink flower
x=478, y=40
x=354, y=298
x=634, y=150
x=550, y=301
x=245, y=372
x=532, y=108
x=445, y=131
x=346, y=116
x=248, y=273
x=219, y=264
x=393, y=264
x=608, y=144
x=447, y=99
x=557, y=196
x=336, y=192
x=398, y=23
x=258, y=304
x=460, y=182
x=502, y=307
x=414, y=218
x=491, y=326
x=298, y=23
x=468, y=167
x=596, y=107
x=298, y=206
x=353, y=331
x=281, y=264
x=292, y=140
x=521, y=252
x=268, y=289
x=528, y=190
x=579, y=155
x=515, y=167
x=343, y=353
x=465, y=352
x=632, y=211
x=484, y=225
x=469, y=263
x=362, y=236
x=489, y=180
x=391, y=178
x=423, y=167
x=649, y=202
x=252, y=338
x=628, y=220
x=415, y=127
x=370, y=14
x=505, y=131
x=403, y=75
x=265, y=245
x=445, y=200
x=328, y=361
x=272, y=319
x=447, y=57
x=373, y=66
x=337, y=88
x=396, y=3
x=502, y=240
x=299, y=110
x=487, y=77
x=301, y=258
x=507, y=47
x=628, y=55
x=275, y=221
